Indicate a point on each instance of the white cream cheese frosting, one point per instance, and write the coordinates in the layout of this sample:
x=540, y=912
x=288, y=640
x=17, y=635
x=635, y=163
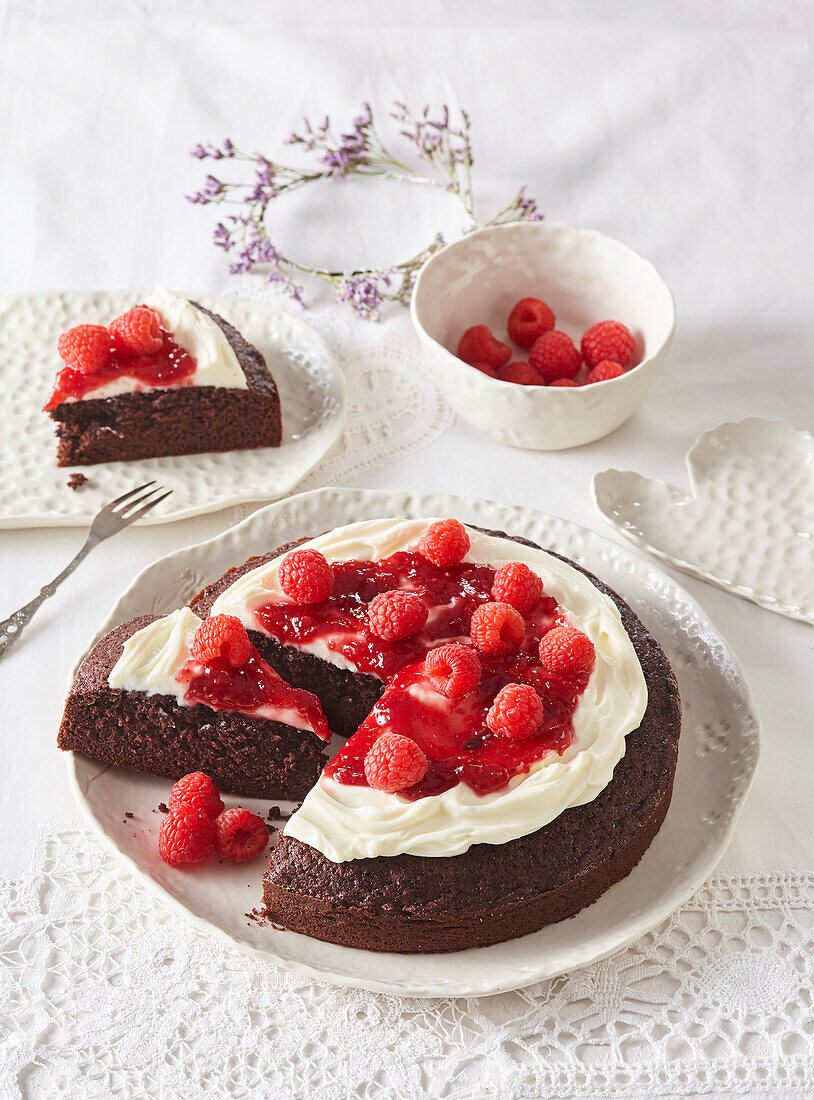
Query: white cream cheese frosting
x=352, y=822
x=198, y=334
x=152, y=658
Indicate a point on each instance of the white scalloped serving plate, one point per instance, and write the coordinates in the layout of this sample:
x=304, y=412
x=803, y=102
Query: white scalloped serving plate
x=34, y=490
x=747, y=523
x=718, y=756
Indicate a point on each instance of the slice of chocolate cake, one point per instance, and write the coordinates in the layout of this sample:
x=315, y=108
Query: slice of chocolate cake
x=128, y=707
x=167, y=378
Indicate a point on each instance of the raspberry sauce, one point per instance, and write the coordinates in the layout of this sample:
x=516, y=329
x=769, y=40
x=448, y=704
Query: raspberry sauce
x=451, y=732
x=171, y=365
x=254, y=689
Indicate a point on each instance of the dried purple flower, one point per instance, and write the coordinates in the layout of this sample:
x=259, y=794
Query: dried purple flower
x=445, y=147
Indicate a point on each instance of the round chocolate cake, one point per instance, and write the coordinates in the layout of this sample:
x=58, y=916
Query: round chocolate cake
x=475, y=848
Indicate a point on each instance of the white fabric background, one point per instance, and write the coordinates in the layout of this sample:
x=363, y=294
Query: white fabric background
x=683, y=130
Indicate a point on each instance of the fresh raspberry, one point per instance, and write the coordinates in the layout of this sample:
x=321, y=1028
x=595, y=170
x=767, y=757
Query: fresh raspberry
x=603, y=372
x=394, y=762
x=497, y=628
x=306, y=576
x=221, y=636
x=185, y=836
x=137, y=332
x=484, y=368
x=523, y=373
x=567, y=651
x=555, y=356
x=453, y=669
x=563, y=382
x=517, y=712
x=444, y=543
x=394, y=615
x=478, y=345
x=607, y=340
x=529, y=319
x=196, y=791
x=85, y=348
x=517, y=585
x=239, y=835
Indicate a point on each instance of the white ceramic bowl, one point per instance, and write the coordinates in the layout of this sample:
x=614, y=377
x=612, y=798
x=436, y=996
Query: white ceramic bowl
x=585, y=277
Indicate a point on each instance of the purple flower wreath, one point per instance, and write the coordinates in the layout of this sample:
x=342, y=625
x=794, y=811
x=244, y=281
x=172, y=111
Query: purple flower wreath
x=445, y=148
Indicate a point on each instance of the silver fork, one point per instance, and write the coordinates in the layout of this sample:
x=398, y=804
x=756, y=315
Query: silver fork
x=120, y=513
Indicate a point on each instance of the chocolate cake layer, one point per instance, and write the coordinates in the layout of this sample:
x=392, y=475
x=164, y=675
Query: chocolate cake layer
x=154, y=733
x=492, y=893
x=347, y=697
x=176, y=421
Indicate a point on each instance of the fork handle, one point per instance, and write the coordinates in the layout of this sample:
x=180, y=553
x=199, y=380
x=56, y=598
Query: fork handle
x=12, y=627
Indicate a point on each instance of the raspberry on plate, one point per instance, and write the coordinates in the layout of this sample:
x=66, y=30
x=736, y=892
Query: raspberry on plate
x=555, y=356
x=394, y=762
x=521, y=372
x=85, y=348
x=517, y=585
x=478, y=345
x=196, y=791
x=137, y=332
x=444, y=543
x=529, y=319
x=221, y=636
x=306, y=576
x=398, y=614
x=565, y=382
x=603, y=372
x=608, y=340
x=453, y=669
x=185, y=836
x=517, y=712
x=238, y=835
x=497, y=628
x=567, y=651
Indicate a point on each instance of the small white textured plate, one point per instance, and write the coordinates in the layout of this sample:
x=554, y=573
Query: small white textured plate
x=717, y=759
x=34, y=490
x=747, y=523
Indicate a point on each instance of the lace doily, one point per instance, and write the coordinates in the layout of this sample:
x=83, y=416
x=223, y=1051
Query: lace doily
x=394, y=407
x=102, y=984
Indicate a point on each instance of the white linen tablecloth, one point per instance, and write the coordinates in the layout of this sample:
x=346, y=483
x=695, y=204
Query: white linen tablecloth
x=683, y=130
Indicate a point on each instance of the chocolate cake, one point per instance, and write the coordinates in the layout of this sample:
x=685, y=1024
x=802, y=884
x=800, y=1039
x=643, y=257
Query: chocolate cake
x=493, y=893
x=484, y=893
x=155, y=734
x=178, y=420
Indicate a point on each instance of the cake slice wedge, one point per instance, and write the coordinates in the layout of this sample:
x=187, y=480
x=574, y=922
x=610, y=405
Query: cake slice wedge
x=140, y=700
x=172, y=378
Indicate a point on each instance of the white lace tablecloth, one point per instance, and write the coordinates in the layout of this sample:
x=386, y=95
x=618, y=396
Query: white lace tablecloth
x=683, y=130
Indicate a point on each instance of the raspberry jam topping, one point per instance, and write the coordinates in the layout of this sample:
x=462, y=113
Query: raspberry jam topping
x=171, y=365
x=452, y=732
x=253, y=688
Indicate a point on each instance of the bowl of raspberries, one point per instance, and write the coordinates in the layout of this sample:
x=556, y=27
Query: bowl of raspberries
x=543, y=335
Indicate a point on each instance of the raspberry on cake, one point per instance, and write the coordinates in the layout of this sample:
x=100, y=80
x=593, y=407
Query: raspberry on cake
x=394, y=615
x=567, y=651
x=517, y=712
x=222, y=636
x=445, y=542
x=168, y=377
x=394, y=763
x=517, y=585
x=453, y=669
x=497, y=628
x=306, y=576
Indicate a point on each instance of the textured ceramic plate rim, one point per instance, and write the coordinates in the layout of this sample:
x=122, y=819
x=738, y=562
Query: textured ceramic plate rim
x=798, y=614
x=460, y=983
x=332, y=431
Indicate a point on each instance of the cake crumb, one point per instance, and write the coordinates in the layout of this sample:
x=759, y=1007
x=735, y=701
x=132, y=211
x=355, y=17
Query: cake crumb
x=163, y=807
x=76, y=481
x=128, y=813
